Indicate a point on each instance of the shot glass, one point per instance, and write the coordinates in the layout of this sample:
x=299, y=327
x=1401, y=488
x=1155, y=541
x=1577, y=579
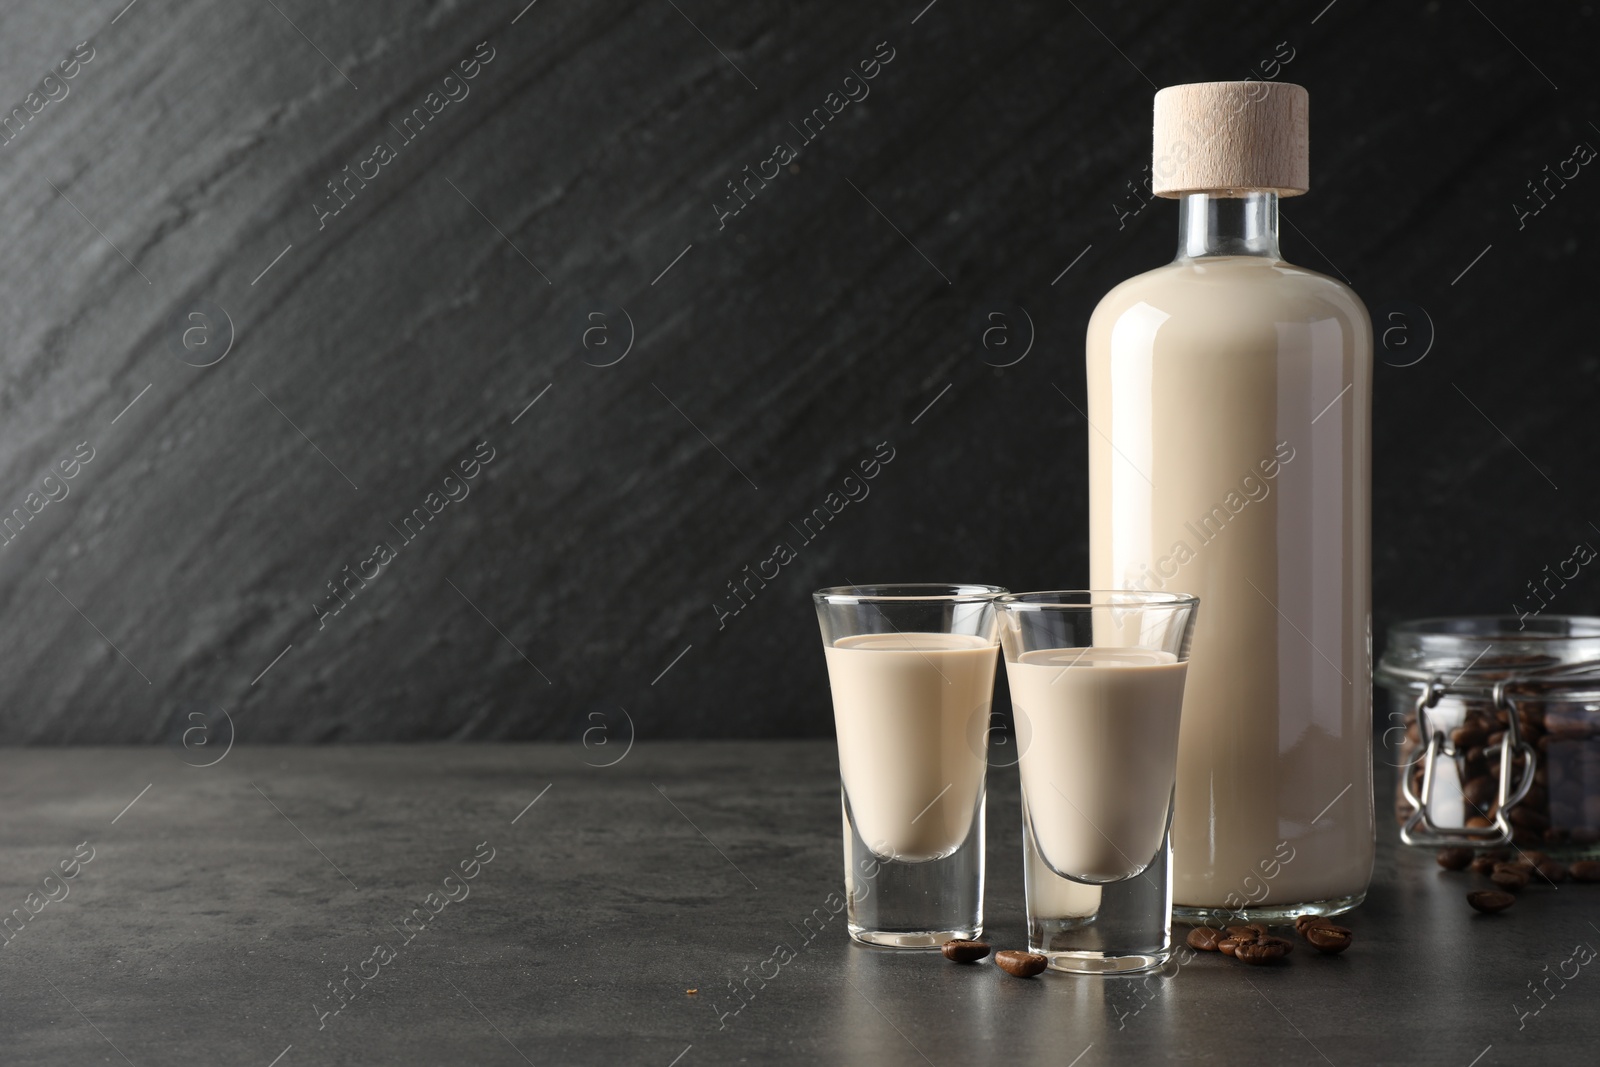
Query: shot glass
x=1096, y=684
x=912, y=673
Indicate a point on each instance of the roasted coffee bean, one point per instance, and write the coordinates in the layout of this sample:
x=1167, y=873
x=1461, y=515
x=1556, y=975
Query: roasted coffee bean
x=1480, y=791
x=1329, y=939
x=1303, y=921
x=1551, y=871
x=1241, y=933
x=1585, y=871
x=1228, y=945
x=1490, y=901
x=1469, y=736
x=1509, y=880
x=1477, y=822
x=1533, y=857
x=1021, y=964
x=1454, y=859
x=1259, y=952
x=962, y=950
x=1519, y=865
x=1205, y=938
x=1482, y=864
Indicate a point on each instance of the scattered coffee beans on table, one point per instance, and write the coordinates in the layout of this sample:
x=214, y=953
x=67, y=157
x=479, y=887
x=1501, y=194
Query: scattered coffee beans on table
x=1512, y=871
x=963, y=950
x=1327, y=938
x=1021, y=964
x=1585, y=871
x=1490, y=901
x=1253, y=944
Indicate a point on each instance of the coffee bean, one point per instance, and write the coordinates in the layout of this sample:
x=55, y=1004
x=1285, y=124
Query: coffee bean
x=1021, y=964
x=1585, y=871
x=962, y=950
x=1477, y=822
x=1490, y=901
x=1228, y=945
x=1551, y=871
x=1329, y=939
x=1303, y=921
x=1242, y=933
x=1483, y=864
x=1260, y=952
x=1520, y=866
x=1454, y=859
x=1205, y=938
x=1533, y=856
x=1509, y=880
x=1465, y=737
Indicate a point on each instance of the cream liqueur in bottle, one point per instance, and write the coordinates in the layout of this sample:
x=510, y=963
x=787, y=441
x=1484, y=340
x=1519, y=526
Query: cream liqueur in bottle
x=1230, y=400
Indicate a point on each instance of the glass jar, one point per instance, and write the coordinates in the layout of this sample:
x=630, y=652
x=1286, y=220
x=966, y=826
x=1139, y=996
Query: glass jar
x=1494, y=722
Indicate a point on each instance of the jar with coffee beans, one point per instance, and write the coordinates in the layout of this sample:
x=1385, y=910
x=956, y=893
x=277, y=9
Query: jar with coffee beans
x=1494, y=722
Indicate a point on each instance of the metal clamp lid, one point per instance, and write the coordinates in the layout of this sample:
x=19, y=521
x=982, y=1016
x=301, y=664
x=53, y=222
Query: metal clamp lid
x=1420, y=828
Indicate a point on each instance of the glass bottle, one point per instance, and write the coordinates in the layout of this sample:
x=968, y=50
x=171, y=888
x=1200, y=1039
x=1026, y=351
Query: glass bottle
x=1229, y=450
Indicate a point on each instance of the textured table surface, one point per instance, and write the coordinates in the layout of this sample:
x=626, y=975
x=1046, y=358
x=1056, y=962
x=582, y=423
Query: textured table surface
x=217, y=908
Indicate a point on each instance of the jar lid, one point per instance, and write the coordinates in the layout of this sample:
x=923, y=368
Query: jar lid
x=1542, y=657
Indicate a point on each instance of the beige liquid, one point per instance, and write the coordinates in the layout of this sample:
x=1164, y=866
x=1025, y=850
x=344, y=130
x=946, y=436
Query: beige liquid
x=907, y=709
x=1227, y=460
x=1097, y=733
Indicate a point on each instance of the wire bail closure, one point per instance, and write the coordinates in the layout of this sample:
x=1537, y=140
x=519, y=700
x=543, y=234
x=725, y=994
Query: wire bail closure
x=1420, y=828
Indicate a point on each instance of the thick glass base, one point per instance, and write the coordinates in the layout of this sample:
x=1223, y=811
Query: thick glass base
x=925, y=939
x=1271, y=914
x=1114, y=928
x=1099, y=963
x=914, y=905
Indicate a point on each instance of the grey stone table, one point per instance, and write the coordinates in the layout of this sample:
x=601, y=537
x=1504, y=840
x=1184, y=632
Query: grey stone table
x=211, y=910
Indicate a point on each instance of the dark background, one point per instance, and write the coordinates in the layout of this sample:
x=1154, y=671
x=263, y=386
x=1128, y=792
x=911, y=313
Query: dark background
x=1001, y=140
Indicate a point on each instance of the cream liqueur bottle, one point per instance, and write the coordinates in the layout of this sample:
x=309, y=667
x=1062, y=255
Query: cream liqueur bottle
x=1230, y=400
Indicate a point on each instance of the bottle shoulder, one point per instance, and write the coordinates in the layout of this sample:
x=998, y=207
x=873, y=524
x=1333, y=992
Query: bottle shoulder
x=1247, y=287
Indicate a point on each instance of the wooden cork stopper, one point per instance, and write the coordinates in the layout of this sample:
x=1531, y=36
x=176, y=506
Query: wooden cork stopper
x=1231, y=138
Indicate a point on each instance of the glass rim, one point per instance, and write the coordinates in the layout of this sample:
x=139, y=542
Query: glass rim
x=907, y=592
x=1082, y=599
x=1496, y=628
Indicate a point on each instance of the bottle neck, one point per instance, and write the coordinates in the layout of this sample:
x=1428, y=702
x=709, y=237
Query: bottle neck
x=1210, y=225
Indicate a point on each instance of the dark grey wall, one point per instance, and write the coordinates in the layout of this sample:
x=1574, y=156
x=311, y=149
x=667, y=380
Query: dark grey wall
x=844, y=307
